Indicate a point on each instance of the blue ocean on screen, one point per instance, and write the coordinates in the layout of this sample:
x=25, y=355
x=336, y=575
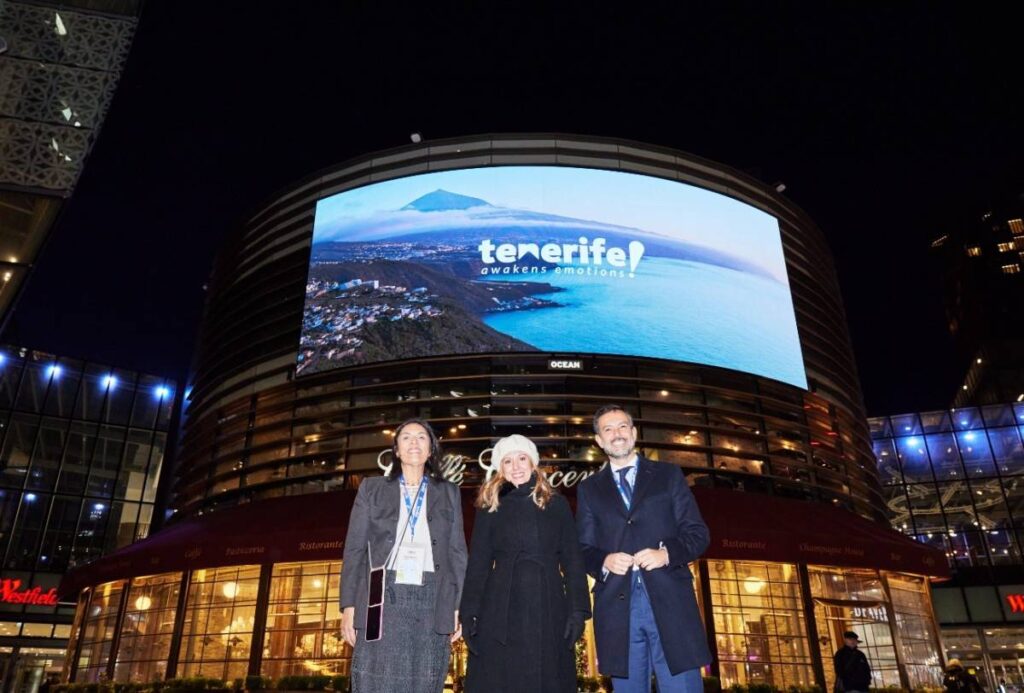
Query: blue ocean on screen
x=679, y=310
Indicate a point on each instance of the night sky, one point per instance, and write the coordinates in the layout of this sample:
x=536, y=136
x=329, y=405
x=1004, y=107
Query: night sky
x=889, y=126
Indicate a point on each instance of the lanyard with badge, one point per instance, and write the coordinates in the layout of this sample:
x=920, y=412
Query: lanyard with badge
x=409, y=558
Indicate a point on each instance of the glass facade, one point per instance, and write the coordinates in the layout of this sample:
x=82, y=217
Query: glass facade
x=770, y=623
x=81, y=452
x=954, y=479
x=724, y=428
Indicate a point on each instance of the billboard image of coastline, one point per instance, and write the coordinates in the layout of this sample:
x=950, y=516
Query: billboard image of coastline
x=550, y=259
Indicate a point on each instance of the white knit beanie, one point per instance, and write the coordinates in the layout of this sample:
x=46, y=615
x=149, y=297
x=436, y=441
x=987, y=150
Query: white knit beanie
x=510, y=444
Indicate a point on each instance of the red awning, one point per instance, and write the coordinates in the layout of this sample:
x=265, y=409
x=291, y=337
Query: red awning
x=744, y=526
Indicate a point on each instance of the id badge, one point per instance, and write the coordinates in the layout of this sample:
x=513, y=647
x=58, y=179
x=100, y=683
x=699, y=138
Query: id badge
x=409, y=565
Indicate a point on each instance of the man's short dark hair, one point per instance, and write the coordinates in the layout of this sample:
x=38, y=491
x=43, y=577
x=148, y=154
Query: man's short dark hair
x=608, y=409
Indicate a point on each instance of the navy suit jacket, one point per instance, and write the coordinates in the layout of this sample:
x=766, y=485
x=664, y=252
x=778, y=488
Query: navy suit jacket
x=663, y=511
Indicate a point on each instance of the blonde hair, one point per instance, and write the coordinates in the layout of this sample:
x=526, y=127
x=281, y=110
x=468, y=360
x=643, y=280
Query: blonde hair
x=488, y=496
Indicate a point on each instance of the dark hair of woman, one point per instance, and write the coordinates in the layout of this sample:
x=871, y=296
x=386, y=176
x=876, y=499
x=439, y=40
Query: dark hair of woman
x=432, y=468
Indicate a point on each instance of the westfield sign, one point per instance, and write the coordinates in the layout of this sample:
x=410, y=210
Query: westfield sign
x=11, y=593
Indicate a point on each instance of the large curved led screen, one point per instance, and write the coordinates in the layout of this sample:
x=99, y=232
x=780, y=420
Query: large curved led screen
x=547, y=258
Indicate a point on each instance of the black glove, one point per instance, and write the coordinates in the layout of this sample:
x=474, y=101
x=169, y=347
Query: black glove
x=469, y=634
x=574, y=628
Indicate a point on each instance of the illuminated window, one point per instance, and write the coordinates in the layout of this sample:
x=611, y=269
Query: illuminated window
x=1016, y=226
x=146, y=628
x=917, y=636
x=759, y=624
x=850, y=599
x=974, y=251
x=303, y=634
x=98, y=631
x=1011, y=269
x=1006, y=247
x=219, y=615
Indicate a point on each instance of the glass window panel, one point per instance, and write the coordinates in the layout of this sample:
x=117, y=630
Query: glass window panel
x=835, y=593
x=47, y=453
x=888, y=463
x=156, y=460
x=106, y=460
x=998, y=415
x=132, y=478
x=303, y=620
x=60, y=534
x=1008, y=450
x=925, y=508
x=945, y=457
x=1013, y=487
x=914, y=458
x=151, y=393
x=219, y=619
x=976, y=453
x=92, y=394
x=77, y=453
x=145, y=520
x=967, y=418
x=918, y=637
x=14, y=458
x=60, y=400
x=28, y=531
x=36, y=380
x=11, y=369
x=97, y=633
x=120, y=388
x=880, y=427
x=146, y=627
x=969, y=548
x=936, y=421
x=958, y=504
x=758, y=615
x=122, y=525
x=906, y=424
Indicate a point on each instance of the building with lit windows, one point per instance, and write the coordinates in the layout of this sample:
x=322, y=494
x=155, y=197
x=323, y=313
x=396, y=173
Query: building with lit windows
x=954, y=480
x=982, y=284
x=475, y=282
x=81, y=450
x=59, y=65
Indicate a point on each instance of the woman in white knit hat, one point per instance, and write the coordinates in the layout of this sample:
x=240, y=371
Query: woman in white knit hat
x=525, y=600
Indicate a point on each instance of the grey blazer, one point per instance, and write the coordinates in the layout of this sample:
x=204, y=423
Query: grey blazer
x=374, y=519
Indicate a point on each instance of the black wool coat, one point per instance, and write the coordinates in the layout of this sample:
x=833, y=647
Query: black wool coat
x=524, y=579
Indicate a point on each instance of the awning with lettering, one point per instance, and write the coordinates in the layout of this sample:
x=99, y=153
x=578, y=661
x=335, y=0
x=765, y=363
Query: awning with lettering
x=743, y=525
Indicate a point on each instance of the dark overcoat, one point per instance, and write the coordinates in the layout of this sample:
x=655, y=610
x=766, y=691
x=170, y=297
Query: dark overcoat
x=525, y=577
x=374, y=520
x=663, y=512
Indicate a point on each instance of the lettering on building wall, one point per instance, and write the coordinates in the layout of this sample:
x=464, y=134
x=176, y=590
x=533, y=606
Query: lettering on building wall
x=565, y=365
x=1016, y=602
x=11, y=593
x=453, y=469
x=320, y=545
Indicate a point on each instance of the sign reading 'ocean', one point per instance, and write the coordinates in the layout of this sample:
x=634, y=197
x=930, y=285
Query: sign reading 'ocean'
x=552, y=259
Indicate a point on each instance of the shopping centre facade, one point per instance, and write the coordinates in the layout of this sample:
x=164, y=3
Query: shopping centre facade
x=284, y=419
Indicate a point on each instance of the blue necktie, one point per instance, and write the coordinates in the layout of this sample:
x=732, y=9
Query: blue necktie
x=627, y=488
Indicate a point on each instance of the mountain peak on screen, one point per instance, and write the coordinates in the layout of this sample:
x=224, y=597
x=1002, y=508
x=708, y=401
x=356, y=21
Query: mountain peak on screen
x=442, y=200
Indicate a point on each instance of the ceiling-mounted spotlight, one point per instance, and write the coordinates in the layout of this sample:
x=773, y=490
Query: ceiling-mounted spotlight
x=416, y=138
x=779, y=186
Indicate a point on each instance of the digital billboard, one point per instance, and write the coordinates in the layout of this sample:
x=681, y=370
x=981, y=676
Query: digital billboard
x=549, y=259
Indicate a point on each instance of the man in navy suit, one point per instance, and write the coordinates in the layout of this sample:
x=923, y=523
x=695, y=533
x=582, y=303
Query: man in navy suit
x=639, y=527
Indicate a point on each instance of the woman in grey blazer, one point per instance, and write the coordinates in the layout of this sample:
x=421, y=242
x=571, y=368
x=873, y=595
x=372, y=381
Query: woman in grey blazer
x=410, y=522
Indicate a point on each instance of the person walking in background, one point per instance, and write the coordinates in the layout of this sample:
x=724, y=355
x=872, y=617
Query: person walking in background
x=958, y=680
x=639, y=527
x=853, y=673
x=525, y=600
x=407, y=524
